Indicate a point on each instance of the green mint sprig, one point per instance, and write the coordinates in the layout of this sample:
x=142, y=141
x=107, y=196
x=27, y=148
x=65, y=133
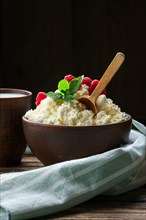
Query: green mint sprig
x=66, y=90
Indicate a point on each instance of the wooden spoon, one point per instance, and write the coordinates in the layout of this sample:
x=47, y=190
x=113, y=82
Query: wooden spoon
x=90, y=101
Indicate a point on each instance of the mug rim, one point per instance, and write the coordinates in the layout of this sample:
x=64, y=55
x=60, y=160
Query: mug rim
x=15, y=90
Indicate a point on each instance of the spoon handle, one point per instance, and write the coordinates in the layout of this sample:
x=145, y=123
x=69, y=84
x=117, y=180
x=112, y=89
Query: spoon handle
x=108, y=75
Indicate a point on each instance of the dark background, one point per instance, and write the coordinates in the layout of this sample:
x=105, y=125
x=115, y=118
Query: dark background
x=43, y=40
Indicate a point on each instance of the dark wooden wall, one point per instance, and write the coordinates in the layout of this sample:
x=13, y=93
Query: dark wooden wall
x=42, y=40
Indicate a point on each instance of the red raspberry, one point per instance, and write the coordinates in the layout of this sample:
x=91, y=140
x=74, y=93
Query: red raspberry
x=69, y=77
x=87, y=81
x=93, y=85
x=104, y=92
x=40, y=96
x=37, y=102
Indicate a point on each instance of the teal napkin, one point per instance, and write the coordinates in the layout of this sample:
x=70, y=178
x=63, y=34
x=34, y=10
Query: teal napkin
x=58, y=187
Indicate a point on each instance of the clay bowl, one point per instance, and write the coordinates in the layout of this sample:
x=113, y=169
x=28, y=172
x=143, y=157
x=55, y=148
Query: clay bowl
x=55, y=143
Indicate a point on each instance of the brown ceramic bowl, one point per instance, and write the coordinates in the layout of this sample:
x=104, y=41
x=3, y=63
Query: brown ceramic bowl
x=55, y=143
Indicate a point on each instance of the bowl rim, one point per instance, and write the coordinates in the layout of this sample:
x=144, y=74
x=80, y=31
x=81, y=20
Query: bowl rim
x=75, y=126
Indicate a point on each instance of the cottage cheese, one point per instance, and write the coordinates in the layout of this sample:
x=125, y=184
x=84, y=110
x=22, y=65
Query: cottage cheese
x=75, y=113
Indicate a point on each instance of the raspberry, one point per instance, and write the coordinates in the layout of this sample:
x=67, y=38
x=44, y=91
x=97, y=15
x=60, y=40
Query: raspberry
x=87, y=81
x=104, y=92
x=40, y=96
x=69, y=77
x=93, y=85
x=37, y=102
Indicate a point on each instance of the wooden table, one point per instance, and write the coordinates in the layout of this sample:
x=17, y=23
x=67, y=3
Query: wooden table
x=128, y=206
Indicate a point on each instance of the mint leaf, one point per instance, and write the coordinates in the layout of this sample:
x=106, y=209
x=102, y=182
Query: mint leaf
x=68, y=98
x=54, y=95
x=75, y=84
x=66, y=89
x=63, y=85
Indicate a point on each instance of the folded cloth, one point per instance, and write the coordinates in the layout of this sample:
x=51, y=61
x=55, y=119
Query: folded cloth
x=58, y=187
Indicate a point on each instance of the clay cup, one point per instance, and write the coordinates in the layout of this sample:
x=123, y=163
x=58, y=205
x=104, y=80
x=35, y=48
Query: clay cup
x=13, y=105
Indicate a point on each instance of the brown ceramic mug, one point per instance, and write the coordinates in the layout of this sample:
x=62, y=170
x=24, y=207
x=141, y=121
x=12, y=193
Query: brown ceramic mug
x=13, y=105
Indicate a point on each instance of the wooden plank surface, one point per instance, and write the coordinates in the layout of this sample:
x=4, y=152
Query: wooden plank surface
x=128, y=206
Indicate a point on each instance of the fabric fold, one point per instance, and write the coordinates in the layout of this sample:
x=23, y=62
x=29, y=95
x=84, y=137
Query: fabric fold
x=58, y=187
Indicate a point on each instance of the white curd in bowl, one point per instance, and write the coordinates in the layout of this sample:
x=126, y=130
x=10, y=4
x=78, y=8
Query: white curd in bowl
x=74, y=113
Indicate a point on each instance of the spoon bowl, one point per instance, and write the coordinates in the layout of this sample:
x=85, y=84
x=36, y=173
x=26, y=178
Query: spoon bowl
x=90, y=101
